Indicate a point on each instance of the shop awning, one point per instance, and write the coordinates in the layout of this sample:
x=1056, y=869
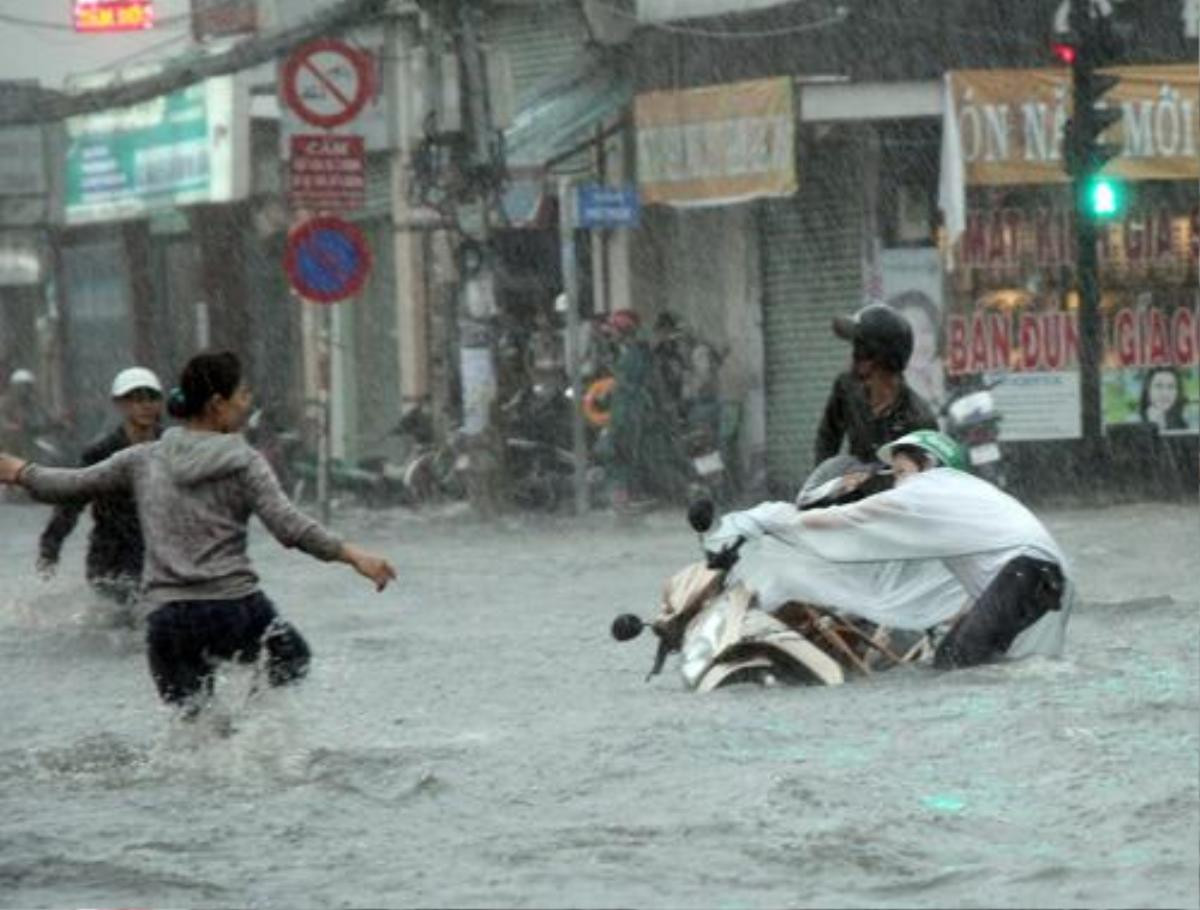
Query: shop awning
x=554, y=121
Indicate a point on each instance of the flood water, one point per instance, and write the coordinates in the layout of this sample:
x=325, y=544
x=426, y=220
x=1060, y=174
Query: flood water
x=473, y=737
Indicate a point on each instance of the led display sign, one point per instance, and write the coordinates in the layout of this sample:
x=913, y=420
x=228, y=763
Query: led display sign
x=113, y=15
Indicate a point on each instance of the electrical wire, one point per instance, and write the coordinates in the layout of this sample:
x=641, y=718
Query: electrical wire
x=841, y=13
x=1010, y=38
x=47, y=25
x=149, y=49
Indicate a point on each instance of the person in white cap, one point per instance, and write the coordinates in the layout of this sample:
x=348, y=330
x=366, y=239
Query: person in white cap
x=115, y=548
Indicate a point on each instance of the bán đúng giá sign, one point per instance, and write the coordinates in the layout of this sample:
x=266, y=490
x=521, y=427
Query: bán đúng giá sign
x=1035, y=347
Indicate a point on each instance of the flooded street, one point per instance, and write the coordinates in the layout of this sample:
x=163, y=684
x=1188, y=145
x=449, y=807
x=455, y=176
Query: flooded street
x=473, y=737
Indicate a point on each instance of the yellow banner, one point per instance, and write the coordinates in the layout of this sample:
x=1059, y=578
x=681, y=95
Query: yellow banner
x=717, y=145
x=1010, y=123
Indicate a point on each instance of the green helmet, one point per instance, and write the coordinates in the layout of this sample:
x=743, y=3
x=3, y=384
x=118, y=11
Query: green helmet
x=939, y=445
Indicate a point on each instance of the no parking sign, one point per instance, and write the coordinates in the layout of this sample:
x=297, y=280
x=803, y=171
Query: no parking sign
x=327, y=259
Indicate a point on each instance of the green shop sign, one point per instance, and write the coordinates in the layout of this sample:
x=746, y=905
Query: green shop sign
x=188, y=147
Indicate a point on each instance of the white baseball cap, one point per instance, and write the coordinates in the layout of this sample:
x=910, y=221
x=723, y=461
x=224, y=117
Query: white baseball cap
x=20, y=376
x=135, y=378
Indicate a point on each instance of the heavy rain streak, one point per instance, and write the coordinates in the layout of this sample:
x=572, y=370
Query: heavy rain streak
x=599, y=453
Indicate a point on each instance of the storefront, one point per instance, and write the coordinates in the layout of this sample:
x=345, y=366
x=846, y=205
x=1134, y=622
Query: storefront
x=716, y=168
x=151, y=261
x=1013, y=311
x=26, y=302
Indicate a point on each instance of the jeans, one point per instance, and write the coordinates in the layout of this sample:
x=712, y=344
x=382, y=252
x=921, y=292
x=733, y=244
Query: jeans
x=1023, y=591
x=185, y=639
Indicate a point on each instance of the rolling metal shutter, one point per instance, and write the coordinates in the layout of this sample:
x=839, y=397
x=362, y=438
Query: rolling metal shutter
x=543, y=39
x=812, y=270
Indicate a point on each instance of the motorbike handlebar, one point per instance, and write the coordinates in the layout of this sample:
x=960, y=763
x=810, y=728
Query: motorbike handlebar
x=725, y=558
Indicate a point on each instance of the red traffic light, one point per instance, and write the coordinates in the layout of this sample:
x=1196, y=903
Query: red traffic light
x=1064, y=52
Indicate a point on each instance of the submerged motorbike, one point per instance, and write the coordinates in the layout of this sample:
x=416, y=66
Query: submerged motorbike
x=723, y=637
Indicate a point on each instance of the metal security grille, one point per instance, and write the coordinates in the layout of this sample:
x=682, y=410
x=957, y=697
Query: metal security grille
x=812, y=270
x=543, y=41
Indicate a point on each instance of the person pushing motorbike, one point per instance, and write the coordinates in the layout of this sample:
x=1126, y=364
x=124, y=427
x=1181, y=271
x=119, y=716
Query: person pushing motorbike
x=870, y=404
x=115, y=549
x=1014, y=584
x=940, y=547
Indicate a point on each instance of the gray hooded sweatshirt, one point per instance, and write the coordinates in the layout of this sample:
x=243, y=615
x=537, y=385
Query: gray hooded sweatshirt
x=195, y=493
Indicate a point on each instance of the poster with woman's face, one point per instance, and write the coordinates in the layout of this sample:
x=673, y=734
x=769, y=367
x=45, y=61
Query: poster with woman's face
x=912, y=285
x=1166, y=396
x=1152, y=372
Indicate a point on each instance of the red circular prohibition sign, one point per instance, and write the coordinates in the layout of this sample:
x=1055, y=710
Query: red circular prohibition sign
x=302, y=60
x=327, y=259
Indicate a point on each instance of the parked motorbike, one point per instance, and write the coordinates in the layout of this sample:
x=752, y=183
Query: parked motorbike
x=374, y=481
x=280, y=447
x=51, y=449
x=724, y=638
x=539, y=446
x=431, y=471
x=970, y=417
x=710, y=441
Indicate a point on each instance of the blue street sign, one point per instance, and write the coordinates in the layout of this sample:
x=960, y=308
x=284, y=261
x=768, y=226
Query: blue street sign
x=608, y=206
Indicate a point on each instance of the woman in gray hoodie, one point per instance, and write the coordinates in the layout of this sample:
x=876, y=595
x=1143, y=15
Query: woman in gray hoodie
x=196, y=489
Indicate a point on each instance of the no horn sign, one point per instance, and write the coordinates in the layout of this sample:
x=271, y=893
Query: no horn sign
x=327, y=259
x=327, y=82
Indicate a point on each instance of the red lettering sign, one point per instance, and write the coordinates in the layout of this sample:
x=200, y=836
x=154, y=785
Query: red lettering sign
x=1183, y=334
x=1000, y=330
x=956, y=345
x=1125, y=337
x=1031, y=342
x=113, y=15
x=1159, y=349
x=328, y=173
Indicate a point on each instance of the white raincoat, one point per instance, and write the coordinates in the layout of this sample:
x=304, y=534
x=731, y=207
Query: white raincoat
x=908, y=558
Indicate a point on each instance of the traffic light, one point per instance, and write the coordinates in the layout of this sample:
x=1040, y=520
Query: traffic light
x=1064, y=51
x=1104, y=197
x=1083, y=152
x=1092, y=43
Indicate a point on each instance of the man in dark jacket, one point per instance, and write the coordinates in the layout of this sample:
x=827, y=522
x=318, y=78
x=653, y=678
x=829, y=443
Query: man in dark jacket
x=115, y=549
x=871, y=404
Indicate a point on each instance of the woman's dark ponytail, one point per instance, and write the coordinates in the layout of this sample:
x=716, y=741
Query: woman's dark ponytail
x=177, y=405
x=204, y=376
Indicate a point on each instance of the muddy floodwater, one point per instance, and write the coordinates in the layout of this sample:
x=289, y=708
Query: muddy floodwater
x=474, y=738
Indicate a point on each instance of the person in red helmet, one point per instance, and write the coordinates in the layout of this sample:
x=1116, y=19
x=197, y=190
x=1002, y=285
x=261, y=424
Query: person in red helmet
x=870, y=404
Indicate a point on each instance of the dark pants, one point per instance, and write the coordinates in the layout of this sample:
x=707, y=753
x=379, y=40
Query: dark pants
x=1018, y=597
x=186, y=638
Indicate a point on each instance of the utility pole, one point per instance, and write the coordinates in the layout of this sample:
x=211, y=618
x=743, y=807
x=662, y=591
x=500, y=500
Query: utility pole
x=479, y=172
x=570, y=277
x=401, y=34
x=1084, y=156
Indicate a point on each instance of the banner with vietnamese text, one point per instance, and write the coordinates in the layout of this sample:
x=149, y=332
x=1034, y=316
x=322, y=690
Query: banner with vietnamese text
x=1151, y=363
x=718, y=144
x=1010, y=123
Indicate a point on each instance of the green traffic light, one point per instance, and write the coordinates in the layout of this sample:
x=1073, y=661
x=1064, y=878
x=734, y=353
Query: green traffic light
x=1104, y=197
